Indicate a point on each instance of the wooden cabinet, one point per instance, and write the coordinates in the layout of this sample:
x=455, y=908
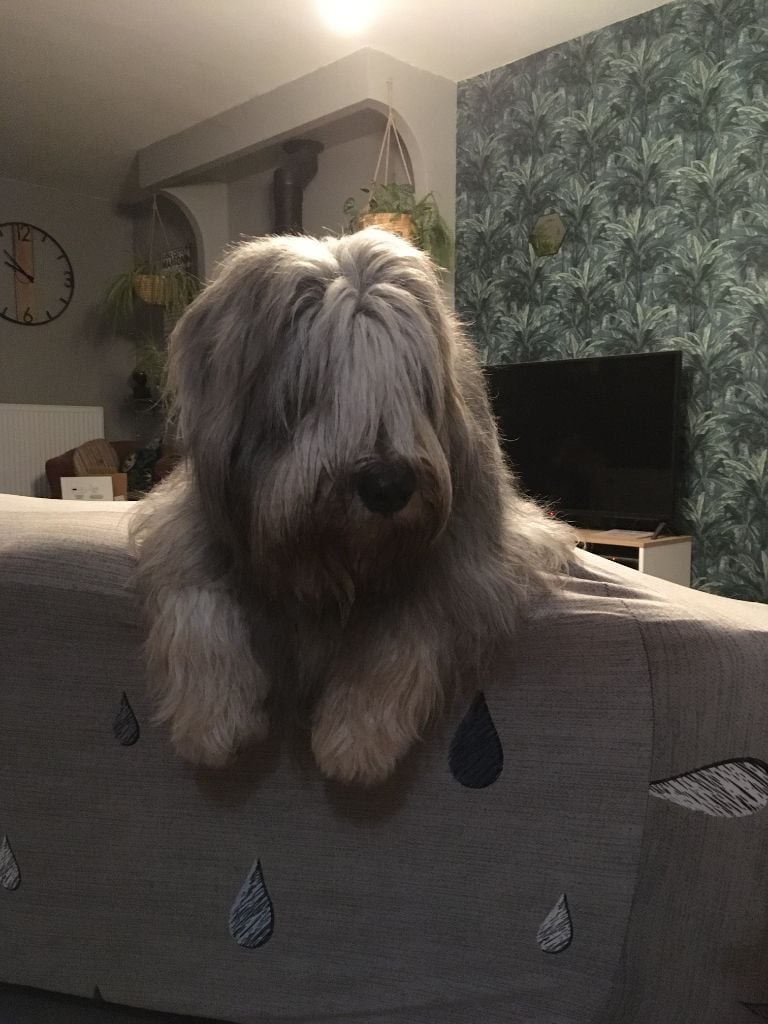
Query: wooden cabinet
x=668, y=558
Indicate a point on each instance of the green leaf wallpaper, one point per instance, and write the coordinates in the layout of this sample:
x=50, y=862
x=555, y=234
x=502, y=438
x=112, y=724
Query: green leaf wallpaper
x=649, y=138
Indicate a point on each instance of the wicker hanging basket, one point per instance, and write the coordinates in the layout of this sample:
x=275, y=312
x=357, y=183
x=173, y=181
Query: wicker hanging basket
x=397, y=223
x=151, y=288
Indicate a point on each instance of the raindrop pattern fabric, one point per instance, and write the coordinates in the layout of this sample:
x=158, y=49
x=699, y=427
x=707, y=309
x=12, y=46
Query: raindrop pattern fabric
x=125, y=726
x=476, y=756
x=10, y=876
x=252, y=918
x=556, y=930
x=729, y=789
x=733, y=788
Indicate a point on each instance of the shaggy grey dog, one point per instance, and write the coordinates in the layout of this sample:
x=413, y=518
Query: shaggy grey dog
x=343, y=526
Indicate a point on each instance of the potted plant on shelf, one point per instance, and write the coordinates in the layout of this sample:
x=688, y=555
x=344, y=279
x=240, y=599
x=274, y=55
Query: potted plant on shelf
x=148, y=376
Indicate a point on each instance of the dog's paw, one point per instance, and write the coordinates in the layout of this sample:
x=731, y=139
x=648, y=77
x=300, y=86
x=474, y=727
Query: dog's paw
x=212, y=747
x=365, y=758
x=198, y=751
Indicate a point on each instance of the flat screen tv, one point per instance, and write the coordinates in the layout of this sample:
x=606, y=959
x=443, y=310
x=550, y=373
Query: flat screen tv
x=596, y=439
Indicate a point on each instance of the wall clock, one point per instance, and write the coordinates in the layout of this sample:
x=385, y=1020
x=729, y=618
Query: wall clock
x=36, y=279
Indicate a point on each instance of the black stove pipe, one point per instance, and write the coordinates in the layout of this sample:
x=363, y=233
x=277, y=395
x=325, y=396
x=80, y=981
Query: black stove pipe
x=289, y=182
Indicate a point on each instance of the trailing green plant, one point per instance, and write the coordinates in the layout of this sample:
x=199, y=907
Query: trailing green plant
x=172, y=289
x=149, y=373
x=146, y=322
x=143, y=303
x=430, y=231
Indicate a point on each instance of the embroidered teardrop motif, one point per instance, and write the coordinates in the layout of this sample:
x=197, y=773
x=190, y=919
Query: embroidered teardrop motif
x=252, y=918
x=728, y=789
x=10, y=876
x=476, y=756
x=125, y=726
x=759, y=1009
x=556, y=930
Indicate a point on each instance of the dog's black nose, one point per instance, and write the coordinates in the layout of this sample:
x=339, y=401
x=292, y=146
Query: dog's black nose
x=385, y=487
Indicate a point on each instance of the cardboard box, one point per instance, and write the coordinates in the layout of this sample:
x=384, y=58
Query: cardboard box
x=95, y=488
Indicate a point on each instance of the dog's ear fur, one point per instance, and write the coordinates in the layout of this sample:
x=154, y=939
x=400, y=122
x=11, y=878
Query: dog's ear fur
x=218, y=352
x=213, y=351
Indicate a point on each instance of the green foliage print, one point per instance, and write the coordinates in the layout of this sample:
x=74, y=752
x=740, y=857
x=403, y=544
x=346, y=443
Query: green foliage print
x=650, y=139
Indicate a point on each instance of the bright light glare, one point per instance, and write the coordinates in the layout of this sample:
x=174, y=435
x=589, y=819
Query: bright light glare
x=347, y=17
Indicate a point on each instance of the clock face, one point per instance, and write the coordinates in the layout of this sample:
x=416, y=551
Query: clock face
x=36, y=279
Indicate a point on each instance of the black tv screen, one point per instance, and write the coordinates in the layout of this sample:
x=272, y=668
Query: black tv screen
x=596, y=439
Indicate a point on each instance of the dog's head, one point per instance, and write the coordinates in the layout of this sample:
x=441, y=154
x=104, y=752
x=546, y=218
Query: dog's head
x=328, y=404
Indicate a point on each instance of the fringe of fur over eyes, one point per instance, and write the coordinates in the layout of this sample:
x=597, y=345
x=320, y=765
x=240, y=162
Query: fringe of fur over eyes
x=343, y=530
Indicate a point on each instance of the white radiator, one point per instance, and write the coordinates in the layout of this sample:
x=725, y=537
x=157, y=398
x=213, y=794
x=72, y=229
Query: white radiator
x=30, y=434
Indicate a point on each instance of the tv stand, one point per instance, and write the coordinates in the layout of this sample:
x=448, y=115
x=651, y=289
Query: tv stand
x=668, y=558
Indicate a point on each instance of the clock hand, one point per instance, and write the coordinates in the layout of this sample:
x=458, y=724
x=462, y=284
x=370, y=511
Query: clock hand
x=15, y=266
x=20, y=270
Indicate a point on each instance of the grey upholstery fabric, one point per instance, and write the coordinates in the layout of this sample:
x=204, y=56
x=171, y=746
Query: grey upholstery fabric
x=559, y=892
x=697, y=945
x=36, y=1006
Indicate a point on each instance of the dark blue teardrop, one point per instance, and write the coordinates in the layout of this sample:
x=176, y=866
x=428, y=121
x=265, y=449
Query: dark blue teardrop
x=476, y=757
x=759, y=1009
x=252, y=918
x=125, y=727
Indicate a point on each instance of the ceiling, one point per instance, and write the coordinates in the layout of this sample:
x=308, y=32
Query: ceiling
x=86, y=83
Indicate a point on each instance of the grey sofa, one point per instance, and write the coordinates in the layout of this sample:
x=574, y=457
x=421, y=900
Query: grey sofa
x=585, y=842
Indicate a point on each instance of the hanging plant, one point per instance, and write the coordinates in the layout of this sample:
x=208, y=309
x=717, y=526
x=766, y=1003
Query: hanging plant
x=143, y=303
x=149, y=283
x=393, y=206
x=173, y=290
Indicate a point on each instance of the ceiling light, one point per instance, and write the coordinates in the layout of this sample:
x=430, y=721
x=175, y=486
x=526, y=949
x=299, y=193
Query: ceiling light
x=347, y=17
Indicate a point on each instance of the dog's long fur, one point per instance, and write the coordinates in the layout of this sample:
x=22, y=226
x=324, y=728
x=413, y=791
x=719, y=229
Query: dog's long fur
x=258, y=563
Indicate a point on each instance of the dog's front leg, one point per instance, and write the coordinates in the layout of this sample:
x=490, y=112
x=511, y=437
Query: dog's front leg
x=384, y=685
x=209, y=687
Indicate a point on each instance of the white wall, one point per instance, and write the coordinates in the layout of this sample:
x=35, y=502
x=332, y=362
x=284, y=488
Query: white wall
x=249, y=206
x=73, y=360
x=425, y=105
x=343, y=170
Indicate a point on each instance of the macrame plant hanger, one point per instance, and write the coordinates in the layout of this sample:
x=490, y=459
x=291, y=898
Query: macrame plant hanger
x=397, y=222
x=156, y=220
x=390, y=130
x=150, y=287
x=156, y=287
